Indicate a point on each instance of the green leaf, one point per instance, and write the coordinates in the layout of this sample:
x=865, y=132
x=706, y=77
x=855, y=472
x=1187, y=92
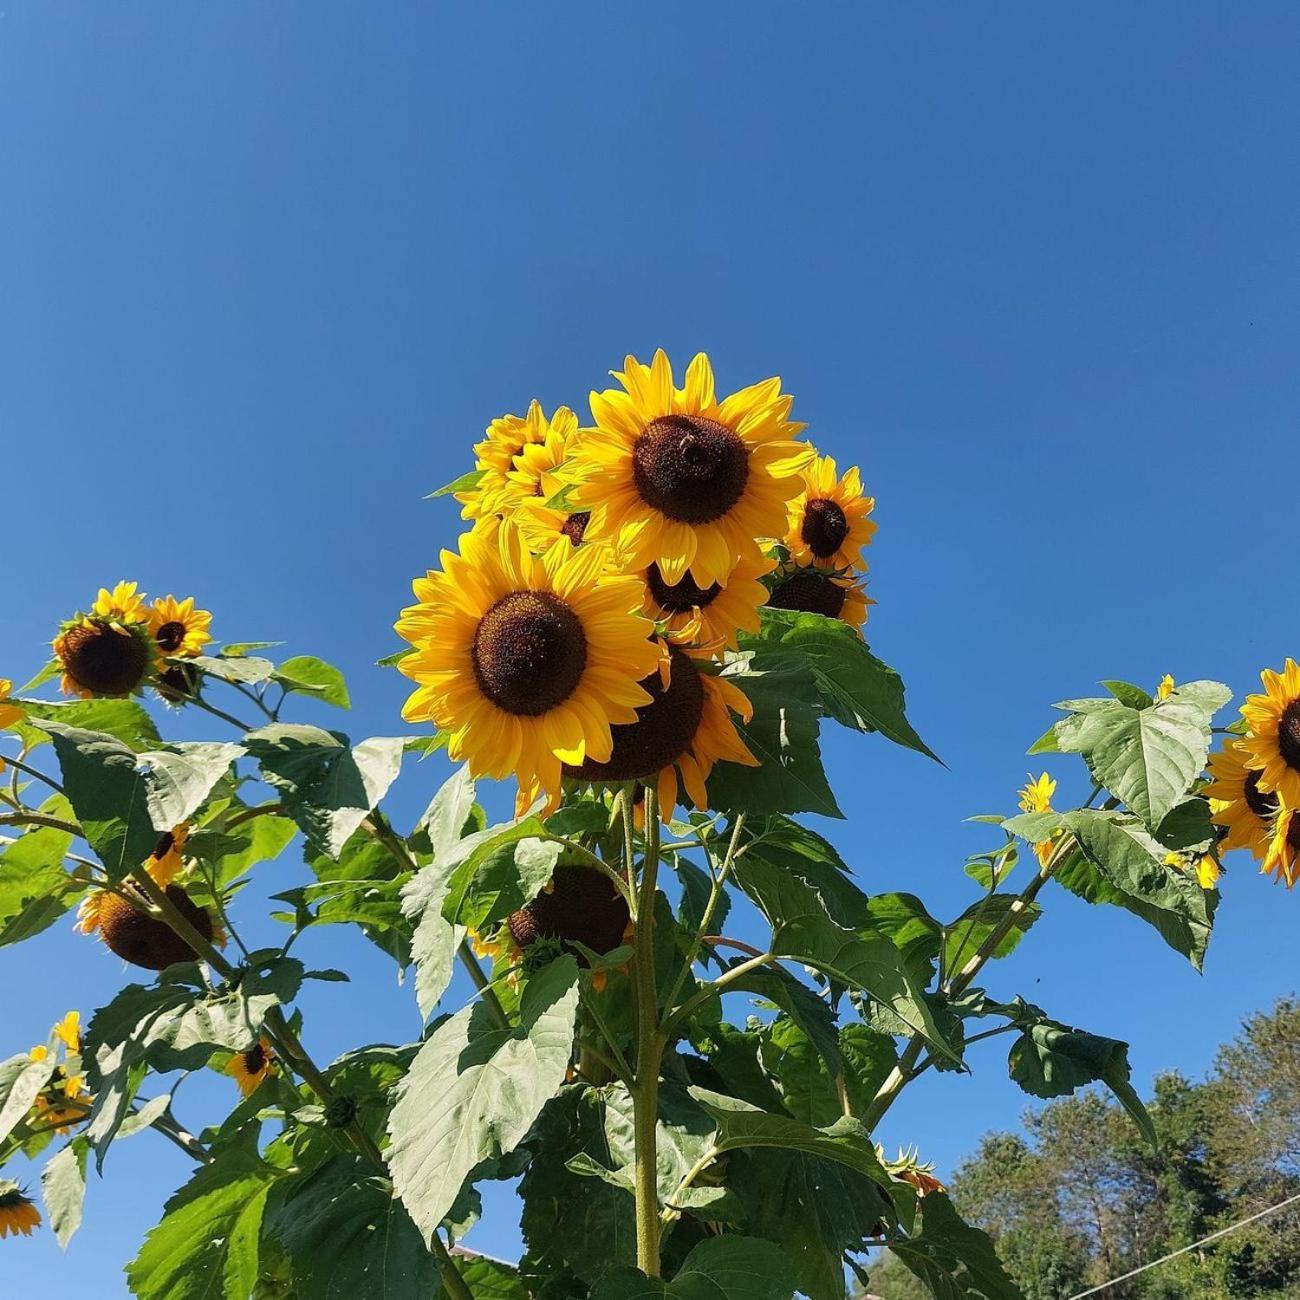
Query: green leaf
x=810, y=1088
x=467, y=482
x=35, y=887
x=1053, y=1060
x=1149, y=758
x=966, y=935
x=474, y=1089
x=20, y=1080
x=207, y=1243
x=311, y=676
x=125, y=720
x=327, y=788
x=239, y=649
x=1126, y=693
x=347, y=1237
x=719, y=1268
x=63, y=1188
x=180, y=777
x=245, y=670
x=855, y=688
x=953, y=1259
x=490, y=1279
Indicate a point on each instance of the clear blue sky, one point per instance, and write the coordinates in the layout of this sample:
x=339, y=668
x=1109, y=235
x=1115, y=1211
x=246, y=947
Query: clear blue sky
x=267, y=270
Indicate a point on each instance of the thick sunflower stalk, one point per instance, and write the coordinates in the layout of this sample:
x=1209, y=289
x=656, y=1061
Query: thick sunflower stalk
x=644, y=628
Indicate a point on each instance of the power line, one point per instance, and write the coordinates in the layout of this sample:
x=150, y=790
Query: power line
x=1182, y=1250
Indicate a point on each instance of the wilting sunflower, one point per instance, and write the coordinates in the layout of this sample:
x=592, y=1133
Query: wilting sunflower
x=674, y=477
x=518, y=460
x=135, y=936
x=18, y=1213
x=525, y=659
x=828, y=524
x=682, y=732
x=1273, y=744
x=835, y=595
x=178, y=628
x=909, y=1168
x=1282, y=861
x=251, y=1067
x=709, y=616
x=1036, y=797
x=9, y=713
x=1237, y=802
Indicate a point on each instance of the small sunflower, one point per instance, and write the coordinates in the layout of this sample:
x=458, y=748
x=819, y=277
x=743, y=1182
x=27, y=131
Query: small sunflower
x=9, y=713
x=1273, y=744
x=121, y=605
x=526, y=660
x=518, y=460
x=909, y=1168
x=1166, y=688
x=18, y=1213
x=178, y=629
x=1036, y=797
x=542, y=525
x=674, y=477
x=828, y=524
x=252, y=1067
x=1282, y=861
x=168, y=856
x=709, y=616
x=1237, y=802
x=681, y=733
x=834, y=595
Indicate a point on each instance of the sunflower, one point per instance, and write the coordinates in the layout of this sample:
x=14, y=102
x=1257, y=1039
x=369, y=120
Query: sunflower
x=828, y=524
x=1036, y=797
x=525, y=659
x=252, y=1067
x=18, y=1213
x=518, y=459
x=121, y=605
x=101, y=657
x=682, y=732
x=676, y=478
x=9, y=713
x=709, y=616
x=1238, y=803
x=909, y=1168
x=835, y=595
x=542, y=525
x=179, y=630
x=1273, y=744
x=1166, y=688
x=135, y=936
x=1282, y=861
x=167, y=858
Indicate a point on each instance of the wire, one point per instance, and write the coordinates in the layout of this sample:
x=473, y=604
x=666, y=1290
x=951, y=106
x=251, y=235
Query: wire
x=1182, y=1250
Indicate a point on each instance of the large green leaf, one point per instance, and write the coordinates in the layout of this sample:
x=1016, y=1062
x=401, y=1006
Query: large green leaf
x=326, y=787
x=126, y=720
x=63, y=1188
x=207, y=1243
x=1049, y=1059
x=35, y=887
x=953, y=1259
x=180, y=777
x=311, y=676
x=346, y=1237
x=1148, y=757
x=810, y=1089
x=21, y=1079
x=966, y=935
x=474, y=1089
x=720, y=1268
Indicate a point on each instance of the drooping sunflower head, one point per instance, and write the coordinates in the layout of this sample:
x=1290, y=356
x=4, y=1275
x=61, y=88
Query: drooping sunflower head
x=828, y=523
x=18, y=1213
x=682, y=732
x=1237, y=802
x=251, y=1067
x=581, y=905
x=834, y=595
x=519, y=460
x=102, y=657
x=526, y=660
x=675, y=477
x=138, y=938
x=712, y=616
x=1282, y=861
x=1273, y=744
x=178, y=629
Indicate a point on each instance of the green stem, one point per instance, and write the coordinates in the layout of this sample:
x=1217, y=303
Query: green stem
x=671, y=1211
x=720, y=985
x=483, y=984
x=19, y=766
x=218, y=713
x=649, y=1046
x=39, y=819
x=618, y=1060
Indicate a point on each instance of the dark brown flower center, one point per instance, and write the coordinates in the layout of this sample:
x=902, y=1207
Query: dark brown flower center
x=144, y=941
x=813, y=593
x=582, y=905
x=1288, y=735
x=662, y=732
x=575, y=526
x=681, y=597
x=529, y=652
x=691, y=469
x=179, y=682
x=254, y=1058
x=1260, y=802
x=824, y=528
x=170, y=637
x=104, y=660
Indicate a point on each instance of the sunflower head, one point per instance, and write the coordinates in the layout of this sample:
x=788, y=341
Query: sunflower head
x=178, y=629
x=520, y=460
x=9, y=713
x=18, y=1213
x=828, y=522
x=1282, y=861
x=526, y=660
x=143, y=940
x=813, y=592
x=1238, y=803
x=252, y=1066
x=102, y=657
x=121, y=605
x=1036, y=795
x=1273, y=745
x=581, y=906
x=675, y=477
x=708, y=617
